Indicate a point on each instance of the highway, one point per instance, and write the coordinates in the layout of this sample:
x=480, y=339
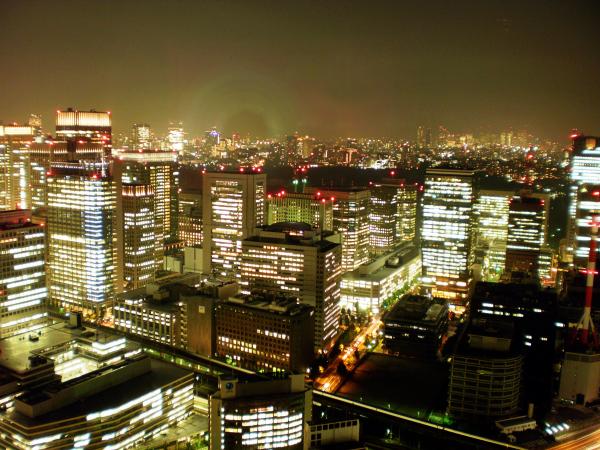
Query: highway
x=588, y=441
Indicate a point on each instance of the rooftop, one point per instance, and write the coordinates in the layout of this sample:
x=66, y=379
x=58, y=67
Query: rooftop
x=283, y=305
x=417, y=308
x=161, y=373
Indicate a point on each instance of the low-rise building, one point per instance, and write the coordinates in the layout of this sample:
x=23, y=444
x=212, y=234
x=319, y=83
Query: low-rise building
x=261, y=414
x=369, y=286
x=416, y=325
x=176, y=311
x=485, y=372
x=265, y=332
x=87, y=390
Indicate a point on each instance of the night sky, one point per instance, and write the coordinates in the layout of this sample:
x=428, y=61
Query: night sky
x=345, y=68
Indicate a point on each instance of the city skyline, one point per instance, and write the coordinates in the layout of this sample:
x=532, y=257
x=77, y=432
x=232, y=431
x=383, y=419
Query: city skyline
x=330, y=70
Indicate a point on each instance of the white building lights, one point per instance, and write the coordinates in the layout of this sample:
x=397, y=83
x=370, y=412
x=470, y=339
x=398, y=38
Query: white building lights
x=233, y=206
x=446, y=234
x=82, y=239
x=23, y=290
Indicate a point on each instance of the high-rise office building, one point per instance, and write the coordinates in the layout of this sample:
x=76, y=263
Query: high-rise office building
x=421, y=136
x=293, y=259
x=43, y=154
x=351, y=221
x=160, y=171
x=176, y=137
x=23, y=290
x=584, y=169
x=141, y=136
x=190, y=217
x=491, y=212
x=313, y=209
x=259, y=414
x=406, y=223
x=393, y=214
x=526, y=233
x=15, y=166
x=446, y=234
x=139, y=239
x=233, y=205
x=92, y=126
x=84, y=233
x=587, y=209
x=383, y=215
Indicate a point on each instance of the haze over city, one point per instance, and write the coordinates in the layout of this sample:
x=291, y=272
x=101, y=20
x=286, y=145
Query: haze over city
x=328, y=69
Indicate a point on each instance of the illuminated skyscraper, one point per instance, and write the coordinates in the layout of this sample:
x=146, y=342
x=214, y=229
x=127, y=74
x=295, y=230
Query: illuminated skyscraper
x=491, y=211
x=446, y=234
x=160, y=171
x=313, y=209
x=292, y=258
x=190, y=218
x=588, y=207
x=92, y=126
x=383, y=215
x=23, y=290
x=233, y=205
x=351, y=221
x=15, y=166
x=393, y=214
x=585, y=169
x=43, y=154
x=176, y=137
x=421, y=136
x=84, y=238
x=141, y=136
x=139, y=238
x=526, y=233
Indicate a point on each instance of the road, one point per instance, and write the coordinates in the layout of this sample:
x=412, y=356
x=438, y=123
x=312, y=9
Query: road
x=589, y=441
x=330, y=380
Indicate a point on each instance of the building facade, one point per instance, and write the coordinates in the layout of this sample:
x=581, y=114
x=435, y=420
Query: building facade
x=526, y=233
x=233, y=205
x=351, y=221
x=369, y=287
x=23, y=292
x=447, y=234
x=491, y=212
x=139, y=239
x=313, y=209
x=261, y=414
x=84, y=230
x=293, y=259
x=265, y=333
x=160, y=171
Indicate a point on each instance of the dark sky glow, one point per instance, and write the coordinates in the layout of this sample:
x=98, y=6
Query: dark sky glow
x=329, y=68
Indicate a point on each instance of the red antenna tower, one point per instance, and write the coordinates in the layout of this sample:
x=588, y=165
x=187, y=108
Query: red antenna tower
x=585, y=332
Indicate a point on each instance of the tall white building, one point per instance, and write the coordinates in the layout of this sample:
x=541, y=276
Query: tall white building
x=23, y=291
x=139, y=235
x=491, y=212
x=233, y=205
x=585, y=169
x=84, y=238
x=351, y=221
x=447, y=233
